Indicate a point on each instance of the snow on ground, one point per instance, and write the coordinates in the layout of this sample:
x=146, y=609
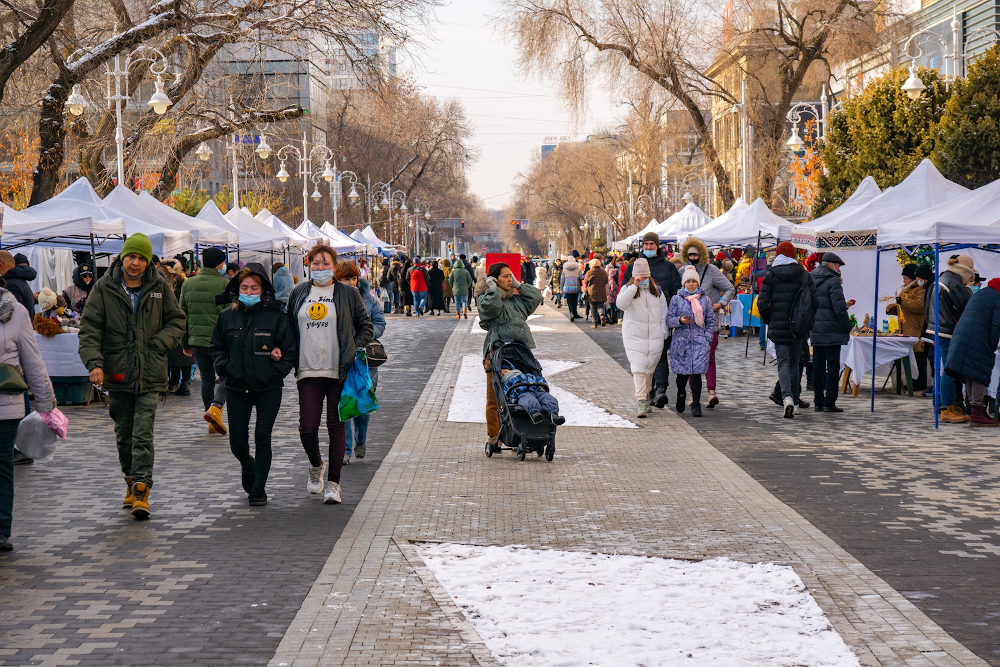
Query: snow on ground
x=468, y=401
x=535, y=608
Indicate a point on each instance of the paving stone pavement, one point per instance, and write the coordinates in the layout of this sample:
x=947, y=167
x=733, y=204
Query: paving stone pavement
x=208, y=580
x=918, y=507
x=659, y=490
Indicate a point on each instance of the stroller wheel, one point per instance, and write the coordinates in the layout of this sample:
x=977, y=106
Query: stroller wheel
x=520, y=454
x=550, y=451
x=489, y=449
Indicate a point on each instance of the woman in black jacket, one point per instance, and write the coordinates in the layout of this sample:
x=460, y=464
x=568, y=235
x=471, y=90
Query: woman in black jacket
x=254, y=348
x=435, y=288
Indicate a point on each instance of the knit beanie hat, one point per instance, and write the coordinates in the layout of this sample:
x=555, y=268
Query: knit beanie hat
x=640, y=268
x=690, y=273
x=785, y=248
x=651, y=236
x=924, y=272
x=213, y=257
x=46, y=299
x=963, y=266
x=910, y=271
x=20, y=259
x=138, y=244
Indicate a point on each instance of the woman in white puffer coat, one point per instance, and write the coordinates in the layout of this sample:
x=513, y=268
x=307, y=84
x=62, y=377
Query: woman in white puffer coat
x=644, y=328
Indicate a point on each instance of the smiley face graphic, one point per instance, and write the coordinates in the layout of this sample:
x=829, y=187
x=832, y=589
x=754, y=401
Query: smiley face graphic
x=317, y=311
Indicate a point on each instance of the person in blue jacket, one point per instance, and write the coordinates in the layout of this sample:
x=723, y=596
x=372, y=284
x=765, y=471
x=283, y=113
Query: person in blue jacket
x=356, y=429
x=972, y=352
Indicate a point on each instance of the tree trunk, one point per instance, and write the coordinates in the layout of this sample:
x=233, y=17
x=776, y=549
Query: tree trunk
x=52, y=140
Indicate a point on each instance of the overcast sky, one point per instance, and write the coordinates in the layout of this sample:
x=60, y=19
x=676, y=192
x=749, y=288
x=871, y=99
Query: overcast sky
x=468, y=59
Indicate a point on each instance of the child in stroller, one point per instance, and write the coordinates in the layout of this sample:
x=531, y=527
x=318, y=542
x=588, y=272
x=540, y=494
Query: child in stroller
x=530, y=392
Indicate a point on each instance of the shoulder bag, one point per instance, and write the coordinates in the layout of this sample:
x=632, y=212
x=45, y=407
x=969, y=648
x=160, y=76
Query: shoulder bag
x=375, y=354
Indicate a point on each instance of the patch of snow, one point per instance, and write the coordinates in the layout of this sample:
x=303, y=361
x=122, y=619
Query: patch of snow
x=468, y=401
x=535, y=608
x=538, y=327
x=476, y=329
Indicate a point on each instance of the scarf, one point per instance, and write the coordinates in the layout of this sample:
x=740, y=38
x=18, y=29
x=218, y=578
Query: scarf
x=699, y=314
x=781, y=260
x=962, y=271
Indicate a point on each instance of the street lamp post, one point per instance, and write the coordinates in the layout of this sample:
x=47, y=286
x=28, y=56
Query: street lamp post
x=913, y=86
x=159, y=101
x=389, y=200
x=794, y=116
x=371, y=192
x=417, y=204
x=305, y=158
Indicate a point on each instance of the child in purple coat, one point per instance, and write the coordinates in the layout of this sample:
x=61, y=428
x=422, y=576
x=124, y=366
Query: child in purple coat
x=692, y=319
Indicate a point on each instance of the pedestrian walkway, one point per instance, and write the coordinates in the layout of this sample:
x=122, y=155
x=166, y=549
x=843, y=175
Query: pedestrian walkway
x=657, y=490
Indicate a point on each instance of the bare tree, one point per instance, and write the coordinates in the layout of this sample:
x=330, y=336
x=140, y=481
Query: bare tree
x=672, y=43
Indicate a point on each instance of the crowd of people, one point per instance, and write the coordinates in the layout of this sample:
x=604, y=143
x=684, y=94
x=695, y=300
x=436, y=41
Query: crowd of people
x=145, y=323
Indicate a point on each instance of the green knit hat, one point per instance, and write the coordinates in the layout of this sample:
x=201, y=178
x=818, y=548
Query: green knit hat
x=138, y=244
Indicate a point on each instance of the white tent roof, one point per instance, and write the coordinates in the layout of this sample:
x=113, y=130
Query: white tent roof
x=311, y=231
x=866, y=191
x=369, y=234
x=294, y=237
x=246, y=223
x=741, y=228
x=973, y=217
x=80, y=200
x=210, y=213
x=924, y=188
x=688, y=219
x=144, y=205
x=20, y=229
x=625, y=242
x=340, y=241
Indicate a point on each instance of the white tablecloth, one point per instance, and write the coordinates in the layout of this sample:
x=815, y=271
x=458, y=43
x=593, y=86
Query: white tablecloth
x=995, y=377
x=61, y=355
x=858, y=354
x=735, y=313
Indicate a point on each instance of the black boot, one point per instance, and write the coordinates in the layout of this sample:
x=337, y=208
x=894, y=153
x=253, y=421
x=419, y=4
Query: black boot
x=696, y=409
x=660, y=398
x=184, y=389
x=681, y=398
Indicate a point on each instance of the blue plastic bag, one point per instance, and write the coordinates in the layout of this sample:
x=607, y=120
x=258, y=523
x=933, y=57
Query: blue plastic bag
x=358, y=396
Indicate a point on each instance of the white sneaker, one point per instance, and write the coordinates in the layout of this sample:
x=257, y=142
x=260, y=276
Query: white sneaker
x=315, y=484
x=332, y=495
x=790, y=406
x=347, y=459
x=795, y=410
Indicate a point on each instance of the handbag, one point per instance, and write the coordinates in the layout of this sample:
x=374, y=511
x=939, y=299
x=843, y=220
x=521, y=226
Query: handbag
x=11, y=380
x=375, y=353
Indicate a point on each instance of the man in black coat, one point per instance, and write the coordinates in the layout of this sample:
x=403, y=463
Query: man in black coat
x=778, y=290
x=666, y=277
x=971, y=354
x=831, y=331
x=17, y=278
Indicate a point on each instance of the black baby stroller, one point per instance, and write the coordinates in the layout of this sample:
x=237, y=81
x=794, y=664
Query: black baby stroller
x=517, y=431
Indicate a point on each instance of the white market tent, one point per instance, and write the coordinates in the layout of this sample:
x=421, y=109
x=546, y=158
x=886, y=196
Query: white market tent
x=359, y=236
x=866, y=191
x=340, y=241
x=924, y=188
x=146, y=206
x=742, y=228
x=685, y=221
x=311, y=231
x=79, y=201
x=628, y=240
x=247, y=224
x=964, y=219
x=371, y=237
x=247, y=242
x=296, y=239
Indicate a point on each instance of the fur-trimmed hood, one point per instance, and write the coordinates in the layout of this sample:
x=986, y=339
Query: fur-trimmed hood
x=692, y=242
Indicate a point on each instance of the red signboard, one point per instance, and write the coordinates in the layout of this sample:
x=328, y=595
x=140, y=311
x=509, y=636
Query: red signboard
x=512, y=259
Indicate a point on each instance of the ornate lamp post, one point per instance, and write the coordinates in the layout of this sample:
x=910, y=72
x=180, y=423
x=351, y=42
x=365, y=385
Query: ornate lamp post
x=306, y=158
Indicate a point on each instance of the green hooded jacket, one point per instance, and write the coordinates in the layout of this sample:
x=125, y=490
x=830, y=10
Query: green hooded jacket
x=460, y=279
x=130, y=349
x=198, y=303
x=505, y=315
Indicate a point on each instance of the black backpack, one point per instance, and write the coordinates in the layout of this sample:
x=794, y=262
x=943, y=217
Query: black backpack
x=803, y=310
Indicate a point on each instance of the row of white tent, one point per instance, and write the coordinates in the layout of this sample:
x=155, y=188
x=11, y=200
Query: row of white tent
x=924, y=209
x=78, y=219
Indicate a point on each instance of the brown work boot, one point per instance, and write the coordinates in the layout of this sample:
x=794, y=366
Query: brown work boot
x=954, y=415
x=981, y=418
x=214, y=418
x=140, y=507
x=129, y=496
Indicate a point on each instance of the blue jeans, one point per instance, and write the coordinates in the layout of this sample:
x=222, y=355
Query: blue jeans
x=8, y=430
x=762, y=335
x=420, y=300
x=360, y=423
x=946, y=390
x=461, y=302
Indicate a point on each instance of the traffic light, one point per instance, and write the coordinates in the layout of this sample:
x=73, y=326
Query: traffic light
x=463, y=224
x=516, y=223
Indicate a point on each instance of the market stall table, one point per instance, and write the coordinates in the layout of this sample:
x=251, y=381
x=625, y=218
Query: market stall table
x=856, y=357
x=70, y=378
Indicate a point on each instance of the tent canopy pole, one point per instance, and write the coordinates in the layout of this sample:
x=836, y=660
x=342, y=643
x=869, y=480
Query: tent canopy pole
x=875, y=325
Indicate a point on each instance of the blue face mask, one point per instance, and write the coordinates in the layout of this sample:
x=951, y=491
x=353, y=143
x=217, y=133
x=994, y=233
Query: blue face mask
x=975, y=288
x=649, y=253
x=249, y=300
x=222, y=271
x=324, y=276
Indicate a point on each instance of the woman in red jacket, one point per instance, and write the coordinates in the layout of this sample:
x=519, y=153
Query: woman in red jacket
x=418, y=286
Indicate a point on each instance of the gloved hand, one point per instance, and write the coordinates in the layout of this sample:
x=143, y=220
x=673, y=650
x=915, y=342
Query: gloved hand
x=517, y=283
x=491, y=282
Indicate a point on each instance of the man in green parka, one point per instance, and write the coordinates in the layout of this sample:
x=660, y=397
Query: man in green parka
x=198, y=301
x=130, y=321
